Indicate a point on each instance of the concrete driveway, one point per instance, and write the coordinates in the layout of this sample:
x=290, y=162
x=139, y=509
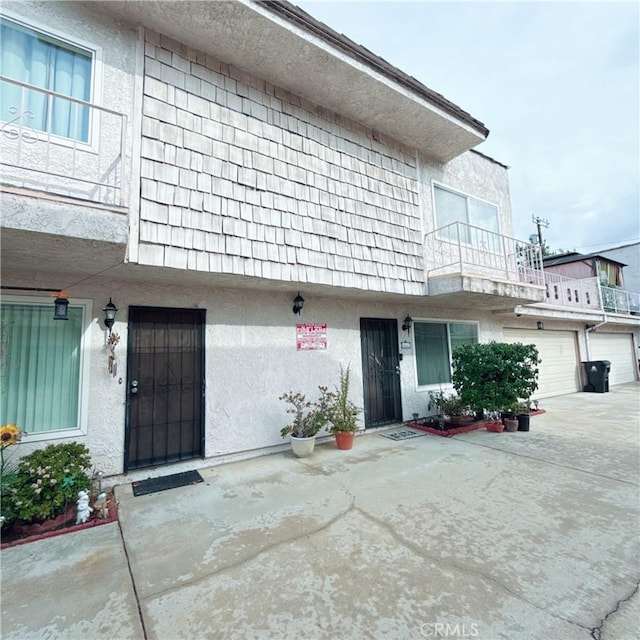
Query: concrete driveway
x=484, y=535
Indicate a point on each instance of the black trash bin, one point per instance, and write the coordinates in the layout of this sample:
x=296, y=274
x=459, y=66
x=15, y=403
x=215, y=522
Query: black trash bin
x=597, y=375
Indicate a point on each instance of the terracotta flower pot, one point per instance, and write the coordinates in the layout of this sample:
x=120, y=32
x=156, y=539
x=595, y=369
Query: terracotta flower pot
x=495, y=427
x=344, y=439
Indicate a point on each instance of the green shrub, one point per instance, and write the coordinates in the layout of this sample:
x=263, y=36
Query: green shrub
x=46, y=481
x=495, y=375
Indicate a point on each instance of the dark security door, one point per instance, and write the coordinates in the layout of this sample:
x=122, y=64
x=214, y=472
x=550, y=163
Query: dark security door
x=165, y=379
x=381, y=371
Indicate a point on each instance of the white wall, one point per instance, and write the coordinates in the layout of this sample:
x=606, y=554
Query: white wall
x=100, y=160
x=251, y=359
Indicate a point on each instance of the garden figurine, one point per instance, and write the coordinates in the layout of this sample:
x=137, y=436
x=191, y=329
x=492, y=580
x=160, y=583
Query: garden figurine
x=84, y=510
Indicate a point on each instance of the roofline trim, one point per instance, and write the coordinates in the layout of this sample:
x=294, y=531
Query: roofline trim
x=293, y=14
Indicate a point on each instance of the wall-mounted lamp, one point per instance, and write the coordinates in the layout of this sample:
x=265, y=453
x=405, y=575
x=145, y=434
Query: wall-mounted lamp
x=60, y=304
x=298, y=303
x=408, y=321
x=61, y=307
x=540, y=325
x=109, y=311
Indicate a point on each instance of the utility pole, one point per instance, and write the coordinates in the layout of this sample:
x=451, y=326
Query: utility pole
x=540, y=222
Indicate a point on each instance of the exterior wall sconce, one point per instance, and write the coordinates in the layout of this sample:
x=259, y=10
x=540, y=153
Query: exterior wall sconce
x=298, y=303
x=408, y=322
x=60, y=304
x=540, y=325
x=109, y=311
x=61, y=307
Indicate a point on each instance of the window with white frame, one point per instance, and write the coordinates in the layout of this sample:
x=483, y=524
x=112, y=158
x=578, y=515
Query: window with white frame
x=434, y=344
x=41, y=373
x=46, y=62
x=480, y=219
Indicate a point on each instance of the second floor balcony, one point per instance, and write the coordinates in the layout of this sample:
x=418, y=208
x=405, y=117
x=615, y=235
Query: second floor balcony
x=62, y=146
x=588, y=294
x=484, y=267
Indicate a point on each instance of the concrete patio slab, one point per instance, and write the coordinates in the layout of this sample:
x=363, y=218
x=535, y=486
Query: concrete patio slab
x=75, y=585
x=523, y=535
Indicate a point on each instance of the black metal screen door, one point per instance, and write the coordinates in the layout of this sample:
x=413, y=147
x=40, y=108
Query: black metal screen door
x=165, y=384
x=381, y=371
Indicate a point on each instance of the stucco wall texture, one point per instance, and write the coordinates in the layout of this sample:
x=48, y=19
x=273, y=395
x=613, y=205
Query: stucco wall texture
x=78, y=167
x=250, y=360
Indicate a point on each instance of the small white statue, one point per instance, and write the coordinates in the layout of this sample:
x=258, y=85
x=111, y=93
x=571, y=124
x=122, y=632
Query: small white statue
x=84, y=510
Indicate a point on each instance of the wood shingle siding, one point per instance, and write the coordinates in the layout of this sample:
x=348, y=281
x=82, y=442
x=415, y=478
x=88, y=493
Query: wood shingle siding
x=266, y=184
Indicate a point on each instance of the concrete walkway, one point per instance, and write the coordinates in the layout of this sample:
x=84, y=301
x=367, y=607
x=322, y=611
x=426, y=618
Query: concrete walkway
x=484, y=535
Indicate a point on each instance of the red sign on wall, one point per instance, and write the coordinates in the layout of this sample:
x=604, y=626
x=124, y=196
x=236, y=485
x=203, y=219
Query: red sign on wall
x=311, y=337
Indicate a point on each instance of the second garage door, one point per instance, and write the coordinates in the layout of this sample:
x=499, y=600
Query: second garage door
x=559, y=370
x=618, y=349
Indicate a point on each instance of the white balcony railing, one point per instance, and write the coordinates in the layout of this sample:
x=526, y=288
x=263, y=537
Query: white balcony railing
x=86, y=163
x=583, y=293
x=588, y=293
x=461, y=248
x=620, y=301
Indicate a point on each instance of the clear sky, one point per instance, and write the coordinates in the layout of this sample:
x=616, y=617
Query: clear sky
x=556, y=83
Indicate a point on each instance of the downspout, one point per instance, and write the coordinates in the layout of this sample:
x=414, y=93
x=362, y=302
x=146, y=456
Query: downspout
x=588, y=329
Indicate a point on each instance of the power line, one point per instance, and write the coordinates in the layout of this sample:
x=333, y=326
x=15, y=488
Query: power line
x=612, y=243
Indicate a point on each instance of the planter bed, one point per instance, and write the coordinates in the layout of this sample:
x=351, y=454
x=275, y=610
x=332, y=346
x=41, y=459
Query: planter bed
x=19, y=533
x=448, y=430
x=431, y=426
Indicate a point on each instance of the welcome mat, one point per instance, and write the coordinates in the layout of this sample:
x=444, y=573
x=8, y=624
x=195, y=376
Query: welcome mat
x=153, y=485
x=404, y=434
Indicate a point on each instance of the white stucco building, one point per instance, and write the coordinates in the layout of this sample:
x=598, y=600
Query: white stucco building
x=201, y=169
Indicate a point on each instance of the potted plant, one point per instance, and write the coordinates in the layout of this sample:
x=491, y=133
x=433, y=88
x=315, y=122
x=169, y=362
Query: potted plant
x=495, y=375
x=523, y=415
x=309, y=418
x=342, y=413
x=495, y=425
x=452, y=407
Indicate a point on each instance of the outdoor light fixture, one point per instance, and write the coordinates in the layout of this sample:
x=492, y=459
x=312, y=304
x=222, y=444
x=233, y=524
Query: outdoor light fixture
x=540, y=325
x=110, y=311
x=298, y=303
x=408, y=321
x=60, y=304
x=61, y=307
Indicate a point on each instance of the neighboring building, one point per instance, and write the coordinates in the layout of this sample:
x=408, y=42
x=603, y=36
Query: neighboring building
x=203, y=169
x=629, y=254
x=588, y=314
x=591, y=265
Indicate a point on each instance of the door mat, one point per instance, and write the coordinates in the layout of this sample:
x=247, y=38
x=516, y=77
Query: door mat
x=152, y=485
x=404, y=434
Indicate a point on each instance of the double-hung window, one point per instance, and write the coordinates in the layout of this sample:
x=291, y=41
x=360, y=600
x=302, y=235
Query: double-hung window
x=479, y=219
x=48, y=63
x=41, y=371
x=434, y=344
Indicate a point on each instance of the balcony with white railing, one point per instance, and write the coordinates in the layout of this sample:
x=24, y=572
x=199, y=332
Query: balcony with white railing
x=489, y=267
x=620, y=301
x=588, y=294
x=571, y=293
x=62, y=146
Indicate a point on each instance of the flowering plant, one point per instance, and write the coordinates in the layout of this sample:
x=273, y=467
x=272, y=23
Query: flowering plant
x=310, y=417
x=9, y=435
x=46, y=481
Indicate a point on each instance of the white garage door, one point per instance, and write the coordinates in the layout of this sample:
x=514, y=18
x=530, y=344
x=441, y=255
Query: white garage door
x=618, y=349
x=559, y=369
